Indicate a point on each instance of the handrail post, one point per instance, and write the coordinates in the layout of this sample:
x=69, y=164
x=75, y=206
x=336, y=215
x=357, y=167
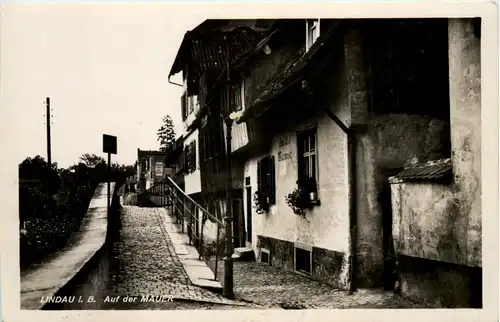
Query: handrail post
x=201, y=239
x=183, y=214
x=191, y=223
x=217, y=253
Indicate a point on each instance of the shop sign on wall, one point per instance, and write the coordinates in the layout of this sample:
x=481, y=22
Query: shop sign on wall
x=159, y=169
x=284, y=141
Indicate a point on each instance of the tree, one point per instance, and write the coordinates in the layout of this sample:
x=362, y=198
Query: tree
x=166, y=134
x=91, y=160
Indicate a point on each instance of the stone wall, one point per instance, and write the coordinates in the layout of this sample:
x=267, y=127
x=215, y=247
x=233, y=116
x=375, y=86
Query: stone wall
x=327, y=265
x=95, y=279
x=440, y=222
x=390, y=142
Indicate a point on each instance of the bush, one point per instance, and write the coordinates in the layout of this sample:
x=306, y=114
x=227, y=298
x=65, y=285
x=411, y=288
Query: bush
x=52, y=222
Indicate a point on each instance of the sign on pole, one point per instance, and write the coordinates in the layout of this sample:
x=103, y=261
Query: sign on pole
x=109, y=144
x=109, y=147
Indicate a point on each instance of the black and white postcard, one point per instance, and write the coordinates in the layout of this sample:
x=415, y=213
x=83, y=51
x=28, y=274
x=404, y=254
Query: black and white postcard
x=248, y=161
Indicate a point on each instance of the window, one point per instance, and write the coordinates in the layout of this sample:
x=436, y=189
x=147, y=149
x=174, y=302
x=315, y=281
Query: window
x=190, y=157
x=193, y=156
x=237, y=96
x=265, y=256
x=192, y=102
x=312, y=32
x=308, y=158
x=303, y=259
x=212, y=140
x=407, y=58
x=266, y=179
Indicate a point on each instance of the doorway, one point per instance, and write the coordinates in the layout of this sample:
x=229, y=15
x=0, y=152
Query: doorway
x=239, y=225
x=248, y=191
x=249, y=214
x=389, y=276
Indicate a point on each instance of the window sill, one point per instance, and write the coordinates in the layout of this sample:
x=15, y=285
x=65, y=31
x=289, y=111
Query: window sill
x=315, y=202
x=303, y=273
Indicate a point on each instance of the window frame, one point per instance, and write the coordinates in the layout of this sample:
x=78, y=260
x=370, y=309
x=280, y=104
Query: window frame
x=190, y=164
x=237, y=95
x=268, y=253
x=269, y=186
x=303, y=154
x=312, y=32
x=307, y=249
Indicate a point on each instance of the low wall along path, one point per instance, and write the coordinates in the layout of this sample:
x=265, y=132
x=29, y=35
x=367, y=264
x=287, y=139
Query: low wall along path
x=47, y=279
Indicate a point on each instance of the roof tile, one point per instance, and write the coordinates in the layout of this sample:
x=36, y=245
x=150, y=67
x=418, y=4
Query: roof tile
x=211, y=50
x=432, y=170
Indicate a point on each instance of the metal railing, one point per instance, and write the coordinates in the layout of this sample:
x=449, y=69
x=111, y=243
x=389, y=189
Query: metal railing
x=190, y=215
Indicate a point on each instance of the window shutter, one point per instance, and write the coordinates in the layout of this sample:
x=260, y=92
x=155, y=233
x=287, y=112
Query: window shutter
x=259, y=176
x=188, y=153
x=183, y=107
x=186, y=159
x=272, y=181
x=193, y=152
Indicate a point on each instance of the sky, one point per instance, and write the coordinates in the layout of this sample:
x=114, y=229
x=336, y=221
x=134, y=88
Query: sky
x=105, y=69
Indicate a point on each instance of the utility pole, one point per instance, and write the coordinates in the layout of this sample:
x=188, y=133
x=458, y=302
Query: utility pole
x=49, y=156
x=109, y=185
x=228, y=263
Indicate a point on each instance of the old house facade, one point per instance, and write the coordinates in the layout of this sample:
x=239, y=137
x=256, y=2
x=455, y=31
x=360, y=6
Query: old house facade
x=151, y=168
x=201, y=58
x=351, y=138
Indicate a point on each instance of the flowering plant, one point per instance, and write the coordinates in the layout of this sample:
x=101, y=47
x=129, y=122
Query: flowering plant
x=261, y=202
x=297, y=202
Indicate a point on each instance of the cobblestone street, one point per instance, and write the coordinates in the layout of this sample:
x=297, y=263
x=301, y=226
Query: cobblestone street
x=146, y=265
x=272, y=287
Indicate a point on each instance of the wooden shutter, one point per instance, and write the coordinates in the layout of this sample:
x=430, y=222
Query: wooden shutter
x=272, y=181
x=186, y=159
x=184, y=106
x=193, y=155
x=259, y=176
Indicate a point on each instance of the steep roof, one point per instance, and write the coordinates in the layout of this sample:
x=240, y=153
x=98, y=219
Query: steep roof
x=204, y=51
x=290, y=74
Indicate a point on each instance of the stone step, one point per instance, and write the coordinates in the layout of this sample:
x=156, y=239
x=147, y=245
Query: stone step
x=243, y=254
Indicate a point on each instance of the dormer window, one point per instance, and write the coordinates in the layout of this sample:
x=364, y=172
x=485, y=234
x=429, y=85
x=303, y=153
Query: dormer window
x=312, y=32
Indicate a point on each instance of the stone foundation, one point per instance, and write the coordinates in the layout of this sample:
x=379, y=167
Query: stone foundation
x=440, y=283
x=327, y=265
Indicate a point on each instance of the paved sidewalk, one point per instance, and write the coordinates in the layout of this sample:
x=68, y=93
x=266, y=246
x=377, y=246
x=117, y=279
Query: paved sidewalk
x=148, y=265
x=198, y=271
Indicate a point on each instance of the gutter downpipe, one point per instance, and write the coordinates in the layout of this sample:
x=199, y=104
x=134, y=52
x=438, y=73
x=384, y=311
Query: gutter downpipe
x=351, y=159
